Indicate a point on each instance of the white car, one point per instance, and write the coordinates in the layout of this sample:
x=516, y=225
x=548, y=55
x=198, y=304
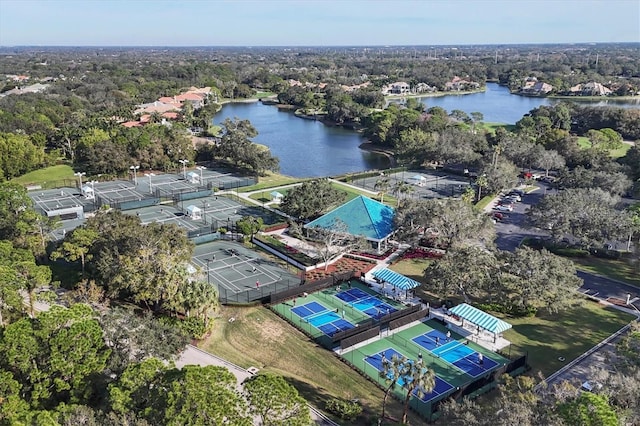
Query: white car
x=504, y=208
x=514, y=197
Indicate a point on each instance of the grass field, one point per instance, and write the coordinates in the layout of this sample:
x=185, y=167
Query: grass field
x=620, y=270
x=259, y=338
x=583, y=142
x=412, y=268
x=565, y=334
x=49, y=174
x=271, y=180
x=491, y=127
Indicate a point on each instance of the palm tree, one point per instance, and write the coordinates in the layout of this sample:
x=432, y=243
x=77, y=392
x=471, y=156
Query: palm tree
x=401, y=189
x=382, y=185
x=199, y=297
x=413, y=375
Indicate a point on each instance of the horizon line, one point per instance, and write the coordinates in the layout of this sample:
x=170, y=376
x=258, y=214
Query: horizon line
x=249, y=46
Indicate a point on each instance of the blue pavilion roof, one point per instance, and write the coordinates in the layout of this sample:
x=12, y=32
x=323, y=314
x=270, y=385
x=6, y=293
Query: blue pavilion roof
x=362, y=216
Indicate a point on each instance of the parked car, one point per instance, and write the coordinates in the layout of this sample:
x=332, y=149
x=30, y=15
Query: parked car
x=514, y=196
x=497, y=215
x=504, y=207
x=519, y=192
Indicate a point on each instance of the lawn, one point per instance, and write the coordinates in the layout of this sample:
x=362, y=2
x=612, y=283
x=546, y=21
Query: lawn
x=569, y=334
x=46, y=175
x=620, y=270
x=412, y=268
x=271, y=180
x=491, y=127
x=257, y=337
x=583, y=143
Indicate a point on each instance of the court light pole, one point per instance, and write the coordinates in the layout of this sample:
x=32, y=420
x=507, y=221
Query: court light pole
x=201, y=168
x=208, y=269
x=184, y=167
x=80, y=174
x=135, y=174
x=149, y=176
x=204, y=211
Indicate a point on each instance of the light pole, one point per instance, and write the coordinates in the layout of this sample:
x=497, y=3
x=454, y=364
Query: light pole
x=201, y=168
x=184, y=168
x=204, y=211
x=208, y=269
x=80, y=174
x=135, y=174
x=149, y=176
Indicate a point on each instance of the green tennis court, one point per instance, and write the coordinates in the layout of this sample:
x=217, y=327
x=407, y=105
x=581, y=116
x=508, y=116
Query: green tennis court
x=236, y=270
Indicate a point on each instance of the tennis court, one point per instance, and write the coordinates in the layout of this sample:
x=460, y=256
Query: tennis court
x=222, y=211
x=365, y=302
x=433, y=184
x=57, y=199
x=165, y=215
x=117, y=192
x=316, y=314
x=236, y=269
x=456, y=353
x=377, y=361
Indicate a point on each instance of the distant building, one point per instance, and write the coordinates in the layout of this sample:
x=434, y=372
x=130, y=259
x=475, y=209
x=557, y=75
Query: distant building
x=590, y=89
x=534, y=87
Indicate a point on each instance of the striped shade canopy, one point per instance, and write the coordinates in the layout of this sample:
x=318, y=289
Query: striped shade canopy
x=396, y=279
x=480, y=318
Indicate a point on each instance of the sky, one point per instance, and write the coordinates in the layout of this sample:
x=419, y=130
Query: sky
x=315, y=23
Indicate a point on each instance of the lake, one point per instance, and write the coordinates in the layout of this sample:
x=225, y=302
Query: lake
x=308, y=148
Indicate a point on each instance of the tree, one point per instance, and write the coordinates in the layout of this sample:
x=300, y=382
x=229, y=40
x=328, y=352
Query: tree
x=202, y=396
x=275, y=401
x=133, y=338
x=613, y=182
x=76, y=245
x=193, y=395
x=589, y=215
x=250, y=225
x=468, y=271
x=382, y=185
x=334, y=240
x=549, y=160
x=198, y=298
x=54, y=355
x=311, y=198
x=543, y=280
x=589, y=409
x=413, y=377
x=145, y=263
x=501, y=174
x=17, y=216
x=236, y=146
x=402, y=189
x=447, y=222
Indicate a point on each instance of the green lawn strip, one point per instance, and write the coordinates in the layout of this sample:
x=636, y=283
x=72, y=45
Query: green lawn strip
x=492, y=126
x=258, y=337
x=262, y=94
x=480, y=205
x=583, y=143
x=46, y=175
x=569, y=334
x=354, y=192
x=265, y=196
x=620, y=270
x=620, y=152
x=272, y=180
x=412, y=268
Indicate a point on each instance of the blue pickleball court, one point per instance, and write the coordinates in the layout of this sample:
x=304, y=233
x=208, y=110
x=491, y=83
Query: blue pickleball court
x=441, y=386
x=455, y=353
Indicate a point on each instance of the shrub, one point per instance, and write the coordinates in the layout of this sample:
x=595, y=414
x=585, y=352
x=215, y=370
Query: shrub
x=193, y=327
x=512, y=310
x=346, y=410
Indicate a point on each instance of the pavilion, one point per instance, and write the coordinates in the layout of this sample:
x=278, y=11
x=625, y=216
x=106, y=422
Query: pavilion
x=363, y=217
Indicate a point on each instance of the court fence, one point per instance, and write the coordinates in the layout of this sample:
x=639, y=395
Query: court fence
x=259, y=294
x=310, y=287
